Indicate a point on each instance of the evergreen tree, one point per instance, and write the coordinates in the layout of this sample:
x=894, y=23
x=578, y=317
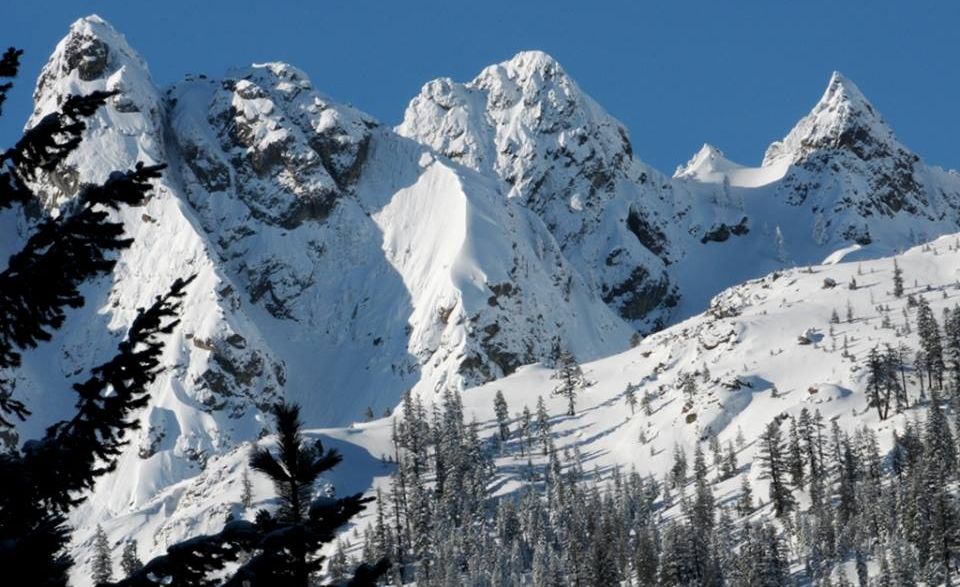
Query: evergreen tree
x=48, y=477
x=543, y=425
x=774, y=465
x=338, y=568
x=246, y=490
x=702, y=511
x=130, y=559
x=688, y=385
x=526, y=429
x=102, y=566
x=571, y=380
x=745, y=500
x=630, y=397
x=502, y=414
x=930, y=343
x=897, y=280
x=728, y=467
x=678, y=473
x=795, y=459
x=647, y=403
x=879, y=384
x=951, y=332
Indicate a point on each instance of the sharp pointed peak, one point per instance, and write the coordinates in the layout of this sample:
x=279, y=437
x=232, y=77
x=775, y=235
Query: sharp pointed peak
x=90, y=20
x=841, y=89
x=92, y=56
x=90, y=46
x=843, y=118
x=533, y=59
x=708, y=150
x=94, y=26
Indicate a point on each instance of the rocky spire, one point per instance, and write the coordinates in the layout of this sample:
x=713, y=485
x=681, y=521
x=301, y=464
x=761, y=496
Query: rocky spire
x=93, y=56
x=843, y=119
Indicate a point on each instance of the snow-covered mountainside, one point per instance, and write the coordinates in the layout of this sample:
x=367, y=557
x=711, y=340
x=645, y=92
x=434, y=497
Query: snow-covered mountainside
x=342, y=263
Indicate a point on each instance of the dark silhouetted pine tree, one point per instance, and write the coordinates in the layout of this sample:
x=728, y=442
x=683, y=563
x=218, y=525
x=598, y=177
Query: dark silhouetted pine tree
x=130, y=561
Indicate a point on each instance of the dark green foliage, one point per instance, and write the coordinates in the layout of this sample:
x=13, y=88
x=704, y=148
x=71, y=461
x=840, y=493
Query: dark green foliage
x=9, y=65
x=897, y=280
x=102, y=570
x=130, y=561
x=773, y=460
x=571, y=380
x=503, y=415
x=47, y=477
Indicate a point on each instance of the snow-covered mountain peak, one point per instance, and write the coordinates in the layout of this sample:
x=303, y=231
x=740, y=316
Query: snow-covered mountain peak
x=843, y=119
x=558, y=153
x=512, y=117
x=90, y=47
x=93, y=56
x=276, y=131
x=525, y=65
x=707, y=164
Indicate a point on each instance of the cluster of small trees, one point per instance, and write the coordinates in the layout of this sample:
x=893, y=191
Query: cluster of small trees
x=565, y=526
x=429, y=521
x=893, y=520
x=897, y=513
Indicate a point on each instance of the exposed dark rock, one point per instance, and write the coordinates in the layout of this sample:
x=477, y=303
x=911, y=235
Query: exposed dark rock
x=88, y=55
x=720, y=233
x=649, y=235
x=635, y=297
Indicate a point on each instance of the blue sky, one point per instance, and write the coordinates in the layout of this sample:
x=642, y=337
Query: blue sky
x=737, y=74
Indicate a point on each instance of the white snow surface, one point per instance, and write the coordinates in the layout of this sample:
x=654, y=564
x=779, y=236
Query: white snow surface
x=341, y=263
